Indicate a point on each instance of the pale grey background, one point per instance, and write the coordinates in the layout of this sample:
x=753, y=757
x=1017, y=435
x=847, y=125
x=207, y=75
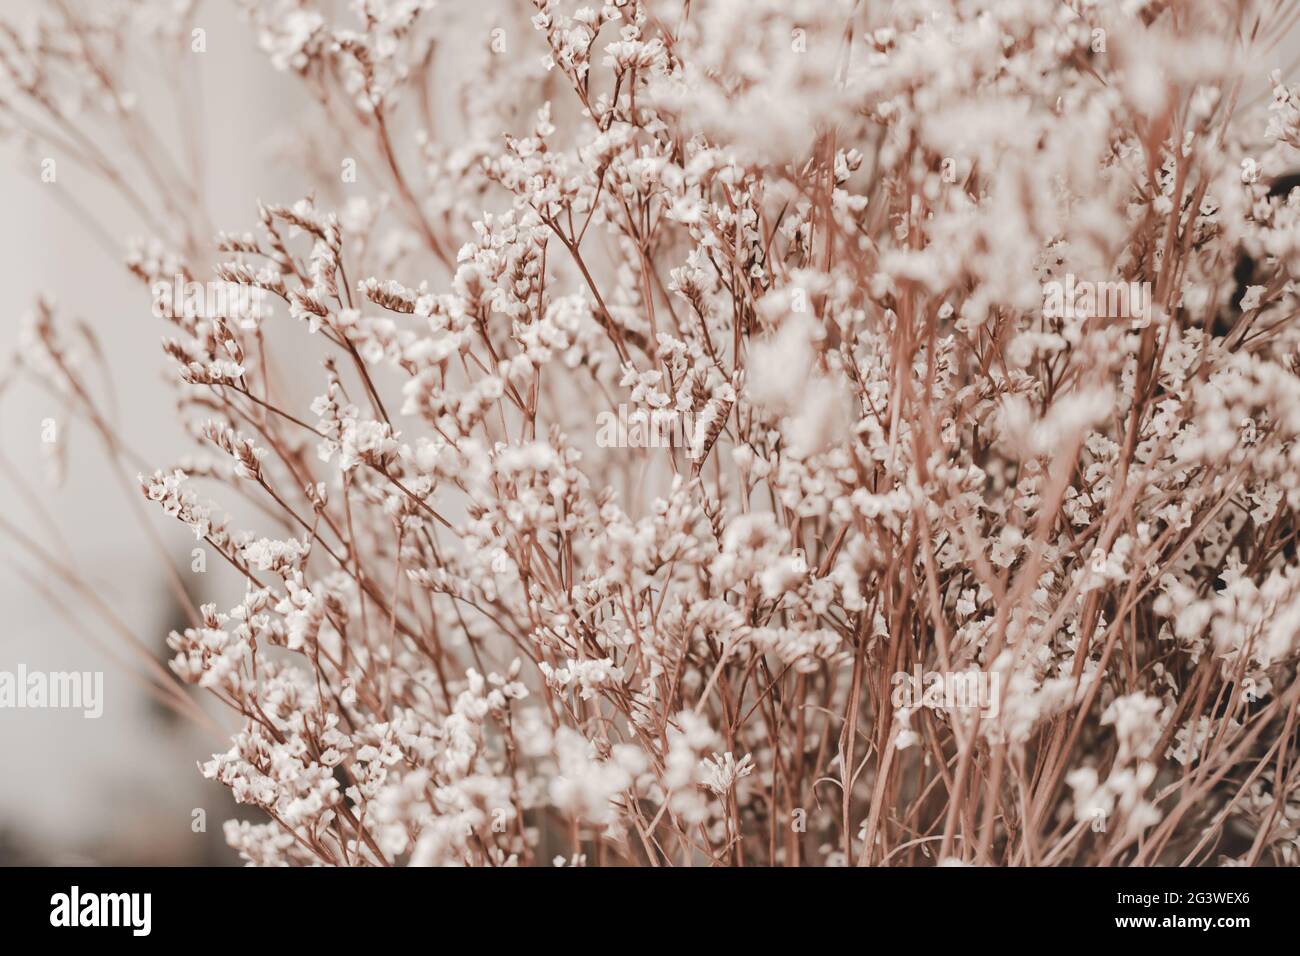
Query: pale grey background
x=120, y=789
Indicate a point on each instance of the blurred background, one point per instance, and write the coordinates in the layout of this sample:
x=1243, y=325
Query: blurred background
x=124, y=788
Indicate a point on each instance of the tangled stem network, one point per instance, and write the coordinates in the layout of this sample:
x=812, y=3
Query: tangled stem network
x=978, y=544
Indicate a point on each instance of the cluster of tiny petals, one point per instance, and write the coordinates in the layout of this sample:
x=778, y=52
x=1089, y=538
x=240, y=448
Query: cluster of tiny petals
x=762, y=399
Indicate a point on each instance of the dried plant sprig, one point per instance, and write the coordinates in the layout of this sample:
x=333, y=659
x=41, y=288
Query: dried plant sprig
x=974, y=325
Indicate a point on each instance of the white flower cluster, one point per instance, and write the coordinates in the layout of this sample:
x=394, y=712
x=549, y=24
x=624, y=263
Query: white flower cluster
x=983, y=314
